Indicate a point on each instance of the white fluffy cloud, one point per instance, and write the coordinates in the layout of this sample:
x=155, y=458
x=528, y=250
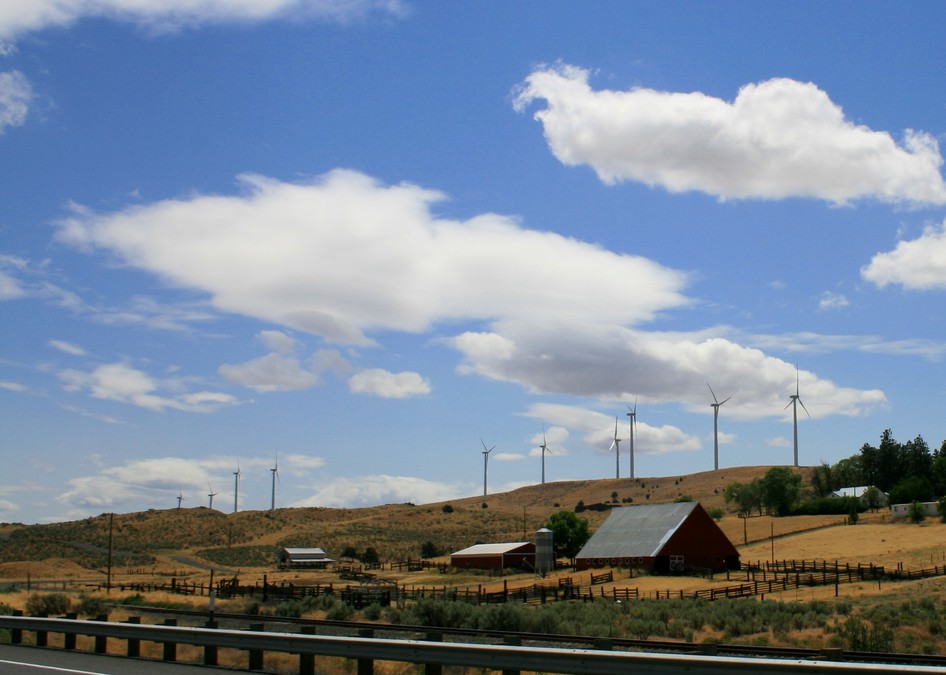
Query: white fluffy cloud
x=356, y=491
x=386, y=384
x=346, y=258
x=17, y=18
x=342, y=255
x=597, y=429
x=918, y=264
x=779, y=138
x=15, y=97
x=122, y=383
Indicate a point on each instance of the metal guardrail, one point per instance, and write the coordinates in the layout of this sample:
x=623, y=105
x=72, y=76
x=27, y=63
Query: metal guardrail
x=434, y=655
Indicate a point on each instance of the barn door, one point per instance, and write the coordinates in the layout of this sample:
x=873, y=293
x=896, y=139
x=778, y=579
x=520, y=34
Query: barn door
x=677, y=563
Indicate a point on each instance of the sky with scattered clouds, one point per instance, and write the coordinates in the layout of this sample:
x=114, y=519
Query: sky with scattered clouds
x=365, y=240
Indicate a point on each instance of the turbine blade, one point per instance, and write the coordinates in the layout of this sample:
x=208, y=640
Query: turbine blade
x=716, y=400
x=803, y=407
x=611, y=447
x=725, y=401
x=789, y=403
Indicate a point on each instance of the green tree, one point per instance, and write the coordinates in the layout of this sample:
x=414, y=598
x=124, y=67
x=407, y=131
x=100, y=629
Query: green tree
x=912, y=488
x=780, y=490
x=746, y=496
x=917, y=512
x=874, y=498
x=821, y=480
x=429, y=550
x=569, y=533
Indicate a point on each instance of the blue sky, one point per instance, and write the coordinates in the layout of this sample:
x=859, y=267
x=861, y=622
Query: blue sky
x=362, y=237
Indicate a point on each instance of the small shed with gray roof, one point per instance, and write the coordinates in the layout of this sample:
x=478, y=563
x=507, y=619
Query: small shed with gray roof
x=495, y=556
x=303, y=557
x=661, y=538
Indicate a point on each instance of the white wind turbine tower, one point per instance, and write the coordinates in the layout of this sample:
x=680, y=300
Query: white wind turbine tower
x=275, y=472
x=236, y=489
x=715, y=406
x=794, y=400
x=545, y=448
x=632, y=422
x=485, y=463
x=211, y=494
x=616, y=444
x=180, y=497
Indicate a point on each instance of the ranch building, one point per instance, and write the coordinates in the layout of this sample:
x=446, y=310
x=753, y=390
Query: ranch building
x=660, y=538
x=302, y=557
x=860, y=491
x=495, y=556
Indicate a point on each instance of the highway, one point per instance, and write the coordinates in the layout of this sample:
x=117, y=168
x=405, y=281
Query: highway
x=16, y=660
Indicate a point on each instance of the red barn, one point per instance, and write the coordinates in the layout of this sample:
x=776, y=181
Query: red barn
x=660, y=538
x=495, y=556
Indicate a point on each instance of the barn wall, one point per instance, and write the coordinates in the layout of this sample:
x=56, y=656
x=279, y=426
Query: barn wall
x=593, y=563
x=701, y=543
x=478, y=562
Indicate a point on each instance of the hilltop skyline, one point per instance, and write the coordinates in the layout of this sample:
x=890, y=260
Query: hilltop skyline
x=373, y=237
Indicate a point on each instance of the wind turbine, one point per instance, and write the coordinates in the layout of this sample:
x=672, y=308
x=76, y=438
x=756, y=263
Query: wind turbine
x=236, y=489
x=275, y=472
x=715, y=406
x=794, y=400
x=211, y=494
x=631, y=423
x=616, y=444
x=545, y=448
x=180, y=497
x=485, y=463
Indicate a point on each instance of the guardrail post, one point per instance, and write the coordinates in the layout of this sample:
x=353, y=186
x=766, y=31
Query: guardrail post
x=134, y=644
x=210, y=651
x=101, y=641
x=256, y=655
x=69, y=639
x=514, y=641
x=42, y=637
x=307, y=661
x=365, y=666
x=832, y=654
x=16, y=634
x=604, y=644
x=170, y=648
x=433, y=668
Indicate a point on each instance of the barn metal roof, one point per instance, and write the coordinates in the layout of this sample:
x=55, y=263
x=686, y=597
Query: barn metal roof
x=491, y=549
x=636, y=531
x=304, y=552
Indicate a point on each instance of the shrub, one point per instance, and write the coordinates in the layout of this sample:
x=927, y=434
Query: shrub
x=917, y=512
x=447, y=508
x=867, y=638
x=340, y=612
x=48, y=603
x=91, y=605
x=716, y=513
x=372, y=612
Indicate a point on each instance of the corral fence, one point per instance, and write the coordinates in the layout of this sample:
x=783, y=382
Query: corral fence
x=431, y=652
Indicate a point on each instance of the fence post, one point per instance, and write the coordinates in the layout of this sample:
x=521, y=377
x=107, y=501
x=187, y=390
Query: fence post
x=101, y=641
x=170, y=648
x=604, y=644
x=210, y=651
x=256, y=655
x=307, y=661
x=365, y=666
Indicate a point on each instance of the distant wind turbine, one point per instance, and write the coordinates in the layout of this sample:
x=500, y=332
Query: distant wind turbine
x=545, y=448
x=632, y=422
x=236, y=489
x=211, y=494
x=616, y=444
x=715, y=406
x=794, y=400
x=485, y=463
x=275, y=472
x=180, y=497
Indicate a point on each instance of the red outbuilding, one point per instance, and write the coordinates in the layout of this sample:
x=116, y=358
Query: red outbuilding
x=495, y=556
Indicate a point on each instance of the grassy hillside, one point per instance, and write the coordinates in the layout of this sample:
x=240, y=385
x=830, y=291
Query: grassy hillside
x=396, y=531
